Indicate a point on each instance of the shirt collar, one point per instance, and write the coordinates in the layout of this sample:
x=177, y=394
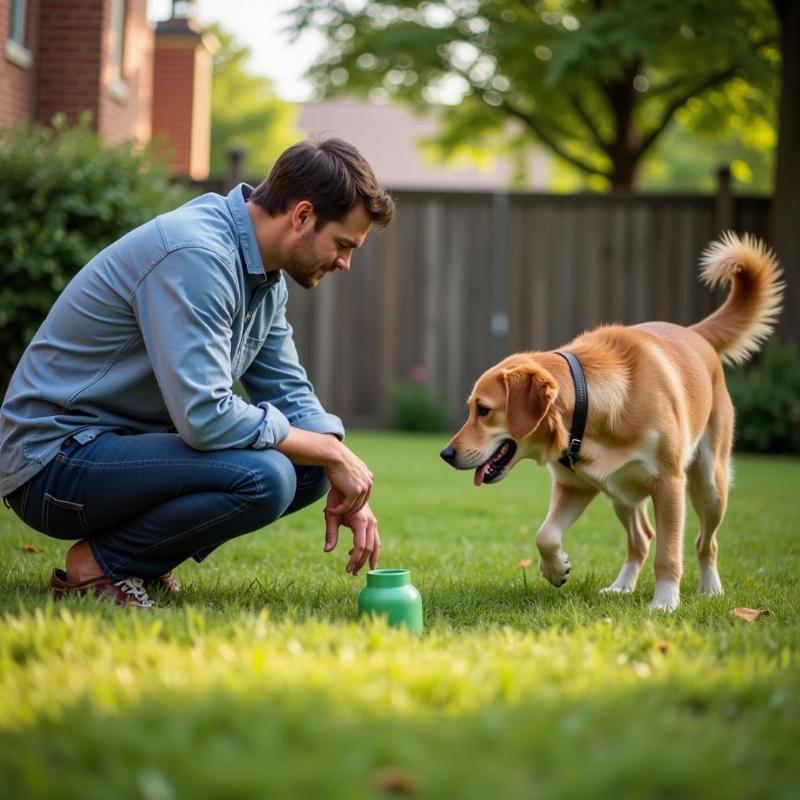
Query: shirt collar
x=247, y=237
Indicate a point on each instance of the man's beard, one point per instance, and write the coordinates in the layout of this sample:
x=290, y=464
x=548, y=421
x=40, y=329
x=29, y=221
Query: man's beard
x=302, y=259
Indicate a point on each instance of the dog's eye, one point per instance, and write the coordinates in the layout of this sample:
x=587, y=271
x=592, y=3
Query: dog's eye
x=482, y=410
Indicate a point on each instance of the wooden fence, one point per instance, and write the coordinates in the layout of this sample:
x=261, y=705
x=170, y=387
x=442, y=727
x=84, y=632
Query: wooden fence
x=461, y=279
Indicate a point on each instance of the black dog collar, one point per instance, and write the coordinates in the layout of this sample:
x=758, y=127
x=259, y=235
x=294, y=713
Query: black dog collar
x=570, y=455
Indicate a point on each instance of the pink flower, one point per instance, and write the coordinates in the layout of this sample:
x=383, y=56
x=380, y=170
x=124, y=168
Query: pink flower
x=418, y=374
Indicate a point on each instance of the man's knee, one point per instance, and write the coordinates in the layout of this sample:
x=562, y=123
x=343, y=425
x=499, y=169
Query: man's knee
x=272, y=485
x=312, y=484
x=278, y=487
x=312, y=481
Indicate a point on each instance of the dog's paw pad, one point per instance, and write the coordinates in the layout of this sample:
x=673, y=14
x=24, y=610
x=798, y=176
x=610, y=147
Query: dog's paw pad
x=556, y=569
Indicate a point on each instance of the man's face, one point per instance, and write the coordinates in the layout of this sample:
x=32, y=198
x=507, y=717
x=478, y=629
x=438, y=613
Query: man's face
x=313, y=254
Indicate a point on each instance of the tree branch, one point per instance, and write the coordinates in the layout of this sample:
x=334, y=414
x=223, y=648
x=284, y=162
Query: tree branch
x=587, y=120
x=709, y=83
x=668, y=87
x=536, y=126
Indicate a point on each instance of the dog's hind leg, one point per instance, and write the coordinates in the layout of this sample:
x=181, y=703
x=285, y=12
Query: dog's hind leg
x=566, y=505
x=709, y=478
x=640, y=534
x=669, y=499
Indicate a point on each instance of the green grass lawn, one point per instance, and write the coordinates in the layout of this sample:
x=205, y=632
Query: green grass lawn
x=261, y=683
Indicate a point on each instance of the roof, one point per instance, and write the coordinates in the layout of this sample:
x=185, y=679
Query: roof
x=389, y=135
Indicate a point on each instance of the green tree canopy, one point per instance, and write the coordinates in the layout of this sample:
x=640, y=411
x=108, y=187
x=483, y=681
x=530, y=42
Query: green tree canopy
x=597, y=82
x=245, y=112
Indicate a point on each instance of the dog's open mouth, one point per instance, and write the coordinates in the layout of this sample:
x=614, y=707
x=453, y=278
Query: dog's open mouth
x=495, y=466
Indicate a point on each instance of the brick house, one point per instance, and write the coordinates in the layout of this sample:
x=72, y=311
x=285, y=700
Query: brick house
x=104, y=57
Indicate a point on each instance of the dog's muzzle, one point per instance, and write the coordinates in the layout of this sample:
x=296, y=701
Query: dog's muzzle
x=449, y=455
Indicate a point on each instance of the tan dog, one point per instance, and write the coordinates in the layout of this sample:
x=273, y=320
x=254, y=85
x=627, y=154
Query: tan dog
x=659, y=419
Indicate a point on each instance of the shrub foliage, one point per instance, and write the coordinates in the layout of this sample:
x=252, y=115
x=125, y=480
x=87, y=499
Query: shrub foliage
x=767, y=401
x=64, y=196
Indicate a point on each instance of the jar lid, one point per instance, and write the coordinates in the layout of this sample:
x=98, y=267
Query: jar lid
x=387, y=578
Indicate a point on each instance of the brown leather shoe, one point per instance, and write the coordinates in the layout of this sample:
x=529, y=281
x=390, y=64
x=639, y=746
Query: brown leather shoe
x=126, y=592
x=166, y=583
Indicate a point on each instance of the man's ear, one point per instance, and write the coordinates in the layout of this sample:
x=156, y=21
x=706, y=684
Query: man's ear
x=302, y=211
x=529, y=396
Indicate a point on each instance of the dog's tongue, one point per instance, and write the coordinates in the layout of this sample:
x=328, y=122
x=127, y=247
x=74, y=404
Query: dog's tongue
x=480, y=473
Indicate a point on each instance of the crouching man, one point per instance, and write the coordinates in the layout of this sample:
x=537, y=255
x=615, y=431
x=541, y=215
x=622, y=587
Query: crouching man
x=120, y=427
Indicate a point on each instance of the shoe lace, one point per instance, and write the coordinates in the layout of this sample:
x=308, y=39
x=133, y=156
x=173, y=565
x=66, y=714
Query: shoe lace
x=135, y=587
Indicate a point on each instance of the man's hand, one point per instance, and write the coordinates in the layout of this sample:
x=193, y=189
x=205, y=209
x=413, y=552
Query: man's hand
x=345, y=470
x=366, y=540
x=352, y=479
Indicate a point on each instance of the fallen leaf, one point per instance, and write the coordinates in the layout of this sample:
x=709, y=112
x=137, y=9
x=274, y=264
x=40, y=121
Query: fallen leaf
x=30, y=548
x=394, y=780
x=525, y=563
x=749, y=614
x=662, y=646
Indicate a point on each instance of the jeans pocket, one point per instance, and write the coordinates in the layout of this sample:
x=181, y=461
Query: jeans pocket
x=63, y=519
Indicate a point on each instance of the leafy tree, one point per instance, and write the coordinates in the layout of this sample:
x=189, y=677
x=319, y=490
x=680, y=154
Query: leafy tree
x=597, y=82
x=245, y=112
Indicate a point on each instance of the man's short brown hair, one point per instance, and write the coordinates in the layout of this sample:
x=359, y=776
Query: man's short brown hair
x=332, y=175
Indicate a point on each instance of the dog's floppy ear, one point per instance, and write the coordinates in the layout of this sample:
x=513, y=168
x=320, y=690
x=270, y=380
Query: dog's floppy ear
x=529, y=396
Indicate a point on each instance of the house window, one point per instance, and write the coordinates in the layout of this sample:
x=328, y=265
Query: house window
x=16, y=52
x=117, y=36
x=16, y=31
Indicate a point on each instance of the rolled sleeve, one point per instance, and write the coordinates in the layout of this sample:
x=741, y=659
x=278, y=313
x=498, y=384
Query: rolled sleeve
x=274, y=429
x=322, y=423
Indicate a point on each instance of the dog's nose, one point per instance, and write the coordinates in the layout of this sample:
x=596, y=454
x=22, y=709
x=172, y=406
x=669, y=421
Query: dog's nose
x=448, y=454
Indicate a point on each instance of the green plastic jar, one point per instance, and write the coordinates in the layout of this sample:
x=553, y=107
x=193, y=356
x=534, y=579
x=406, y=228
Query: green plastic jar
x=389, y=593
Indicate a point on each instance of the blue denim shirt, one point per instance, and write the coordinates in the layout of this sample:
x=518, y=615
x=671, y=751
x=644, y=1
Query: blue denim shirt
x=152, y=334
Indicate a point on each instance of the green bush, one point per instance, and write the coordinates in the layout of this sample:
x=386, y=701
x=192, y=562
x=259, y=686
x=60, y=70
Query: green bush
x=64, y=196
x=415, y=404
x=767, y=401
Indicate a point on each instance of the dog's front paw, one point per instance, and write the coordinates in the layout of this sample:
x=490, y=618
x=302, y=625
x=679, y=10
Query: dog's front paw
x=626, y=580
x=556, y=568
x=710, y=584
x=667, y=596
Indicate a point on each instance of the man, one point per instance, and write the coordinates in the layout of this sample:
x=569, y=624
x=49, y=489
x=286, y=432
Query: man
x=120, y=427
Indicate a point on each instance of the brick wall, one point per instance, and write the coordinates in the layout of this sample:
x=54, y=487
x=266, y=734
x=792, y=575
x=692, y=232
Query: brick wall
x=75, y=70
x=71, y=34
x=163, y=90
x=182, y=99
x=201, y=114
x=124, y=110
x=17, y=81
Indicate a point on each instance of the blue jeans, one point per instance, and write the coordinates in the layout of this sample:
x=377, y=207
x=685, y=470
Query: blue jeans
x=148, y=502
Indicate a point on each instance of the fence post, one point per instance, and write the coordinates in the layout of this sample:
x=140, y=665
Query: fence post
x=236, y=156
x=725, y=218
x=498, y=277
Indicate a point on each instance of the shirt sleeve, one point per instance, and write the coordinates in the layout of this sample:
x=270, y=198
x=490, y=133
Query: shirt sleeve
x=185, y=307
x=277, y=377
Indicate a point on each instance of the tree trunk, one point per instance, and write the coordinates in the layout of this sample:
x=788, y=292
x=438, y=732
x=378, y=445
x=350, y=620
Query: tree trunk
x=786, y=198
x=620, y=96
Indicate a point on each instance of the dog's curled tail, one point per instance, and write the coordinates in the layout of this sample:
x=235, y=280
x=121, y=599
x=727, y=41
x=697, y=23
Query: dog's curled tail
x=739, y=326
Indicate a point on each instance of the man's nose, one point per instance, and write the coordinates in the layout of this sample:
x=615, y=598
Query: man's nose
x=343, y=262
x=449, y=454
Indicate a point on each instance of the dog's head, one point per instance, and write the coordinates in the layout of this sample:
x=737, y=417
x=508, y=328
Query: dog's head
x=510, y=418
